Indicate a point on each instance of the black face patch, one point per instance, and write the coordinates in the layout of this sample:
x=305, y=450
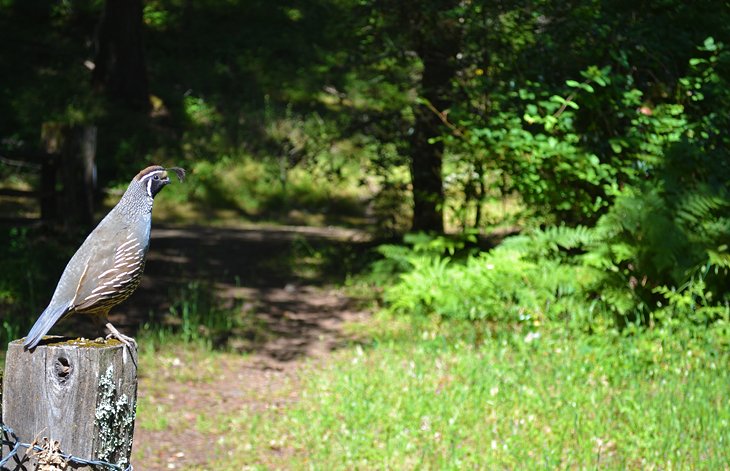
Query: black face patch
x=155, y=181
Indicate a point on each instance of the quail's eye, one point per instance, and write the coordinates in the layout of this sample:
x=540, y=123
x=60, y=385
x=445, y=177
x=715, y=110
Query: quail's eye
x=156, y=177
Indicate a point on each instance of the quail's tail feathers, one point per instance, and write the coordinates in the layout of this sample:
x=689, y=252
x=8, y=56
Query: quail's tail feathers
x=44, y=323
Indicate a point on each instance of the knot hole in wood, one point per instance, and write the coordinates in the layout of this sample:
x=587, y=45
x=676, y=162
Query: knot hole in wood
x=63, y=369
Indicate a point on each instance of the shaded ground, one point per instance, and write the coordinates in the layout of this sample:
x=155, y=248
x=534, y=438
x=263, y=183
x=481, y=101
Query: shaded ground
x=282, y=280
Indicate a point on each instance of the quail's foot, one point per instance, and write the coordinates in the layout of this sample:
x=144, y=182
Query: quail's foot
x=125, y=339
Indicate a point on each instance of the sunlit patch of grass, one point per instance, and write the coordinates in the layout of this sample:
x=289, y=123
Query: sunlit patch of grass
x=496, y=213
x=513, y=401
x=246, y=189
x=152, y=416
x=180, y=362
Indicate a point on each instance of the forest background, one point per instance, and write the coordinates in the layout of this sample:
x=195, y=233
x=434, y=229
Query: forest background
x=542, y=187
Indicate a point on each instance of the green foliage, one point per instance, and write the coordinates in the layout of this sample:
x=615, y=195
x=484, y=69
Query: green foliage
x=397, y=259
x=526, y=280
x=669, y=232
x=567, y=124
x=658, y=253
x=658, y=256
x=651, y=243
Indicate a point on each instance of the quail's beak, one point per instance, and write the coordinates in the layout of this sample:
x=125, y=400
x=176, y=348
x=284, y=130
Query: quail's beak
x=165, y=180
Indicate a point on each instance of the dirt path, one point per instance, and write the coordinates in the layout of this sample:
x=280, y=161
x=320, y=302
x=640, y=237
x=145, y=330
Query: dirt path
x=280, y=279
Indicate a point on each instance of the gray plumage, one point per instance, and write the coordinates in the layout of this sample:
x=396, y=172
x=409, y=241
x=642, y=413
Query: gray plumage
x=108, y=266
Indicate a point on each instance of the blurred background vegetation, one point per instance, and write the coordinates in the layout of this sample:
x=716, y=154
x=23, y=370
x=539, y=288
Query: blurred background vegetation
x=525, y=166
x=596, y=129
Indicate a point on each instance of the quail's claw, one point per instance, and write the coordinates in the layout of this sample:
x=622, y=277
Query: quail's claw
x=125, y=339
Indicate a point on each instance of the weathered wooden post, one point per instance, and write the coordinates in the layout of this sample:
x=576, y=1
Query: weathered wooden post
x=80, y=393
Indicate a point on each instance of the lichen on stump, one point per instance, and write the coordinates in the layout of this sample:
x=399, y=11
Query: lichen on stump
x=115, y=421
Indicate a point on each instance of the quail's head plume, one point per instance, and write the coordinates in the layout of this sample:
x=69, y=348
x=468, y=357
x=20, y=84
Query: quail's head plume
x=108, y=266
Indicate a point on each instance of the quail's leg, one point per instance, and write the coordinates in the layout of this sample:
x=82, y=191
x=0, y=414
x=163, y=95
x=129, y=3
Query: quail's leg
x=125, y=339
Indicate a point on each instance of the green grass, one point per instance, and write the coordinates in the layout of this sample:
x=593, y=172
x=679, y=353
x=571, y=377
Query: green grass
x=197, y=318
x=434, y=402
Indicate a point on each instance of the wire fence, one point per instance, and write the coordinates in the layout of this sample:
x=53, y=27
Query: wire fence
x=11, y=440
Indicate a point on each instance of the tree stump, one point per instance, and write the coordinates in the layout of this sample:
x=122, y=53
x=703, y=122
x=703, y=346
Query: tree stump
x=80, y=393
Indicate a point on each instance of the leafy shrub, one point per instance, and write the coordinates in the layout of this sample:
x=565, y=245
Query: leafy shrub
x=526, y=279
x=615, y=275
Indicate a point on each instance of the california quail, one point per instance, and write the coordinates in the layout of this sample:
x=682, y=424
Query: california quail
x=108, y=266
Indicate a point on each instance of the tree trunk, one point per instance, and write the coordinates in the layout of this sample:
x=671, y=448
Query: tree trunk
x=79, y=175
x=76, y=146
x=119, y=67
x=425, y=167
x=437, y=45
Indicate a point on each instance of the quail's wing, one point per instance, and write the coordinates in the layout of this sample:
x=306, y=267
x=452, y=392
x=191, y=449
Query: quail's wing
x=117, y=256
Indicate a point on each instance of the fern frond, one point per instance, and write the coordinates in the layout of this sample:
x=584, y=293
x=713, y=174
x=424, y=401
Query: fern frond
x=697, y=209
x=718, y=259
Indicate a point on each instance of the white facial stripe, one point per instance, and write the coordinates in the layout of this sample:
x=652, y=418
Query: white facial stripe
x=149, y=177
x=151, y=174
